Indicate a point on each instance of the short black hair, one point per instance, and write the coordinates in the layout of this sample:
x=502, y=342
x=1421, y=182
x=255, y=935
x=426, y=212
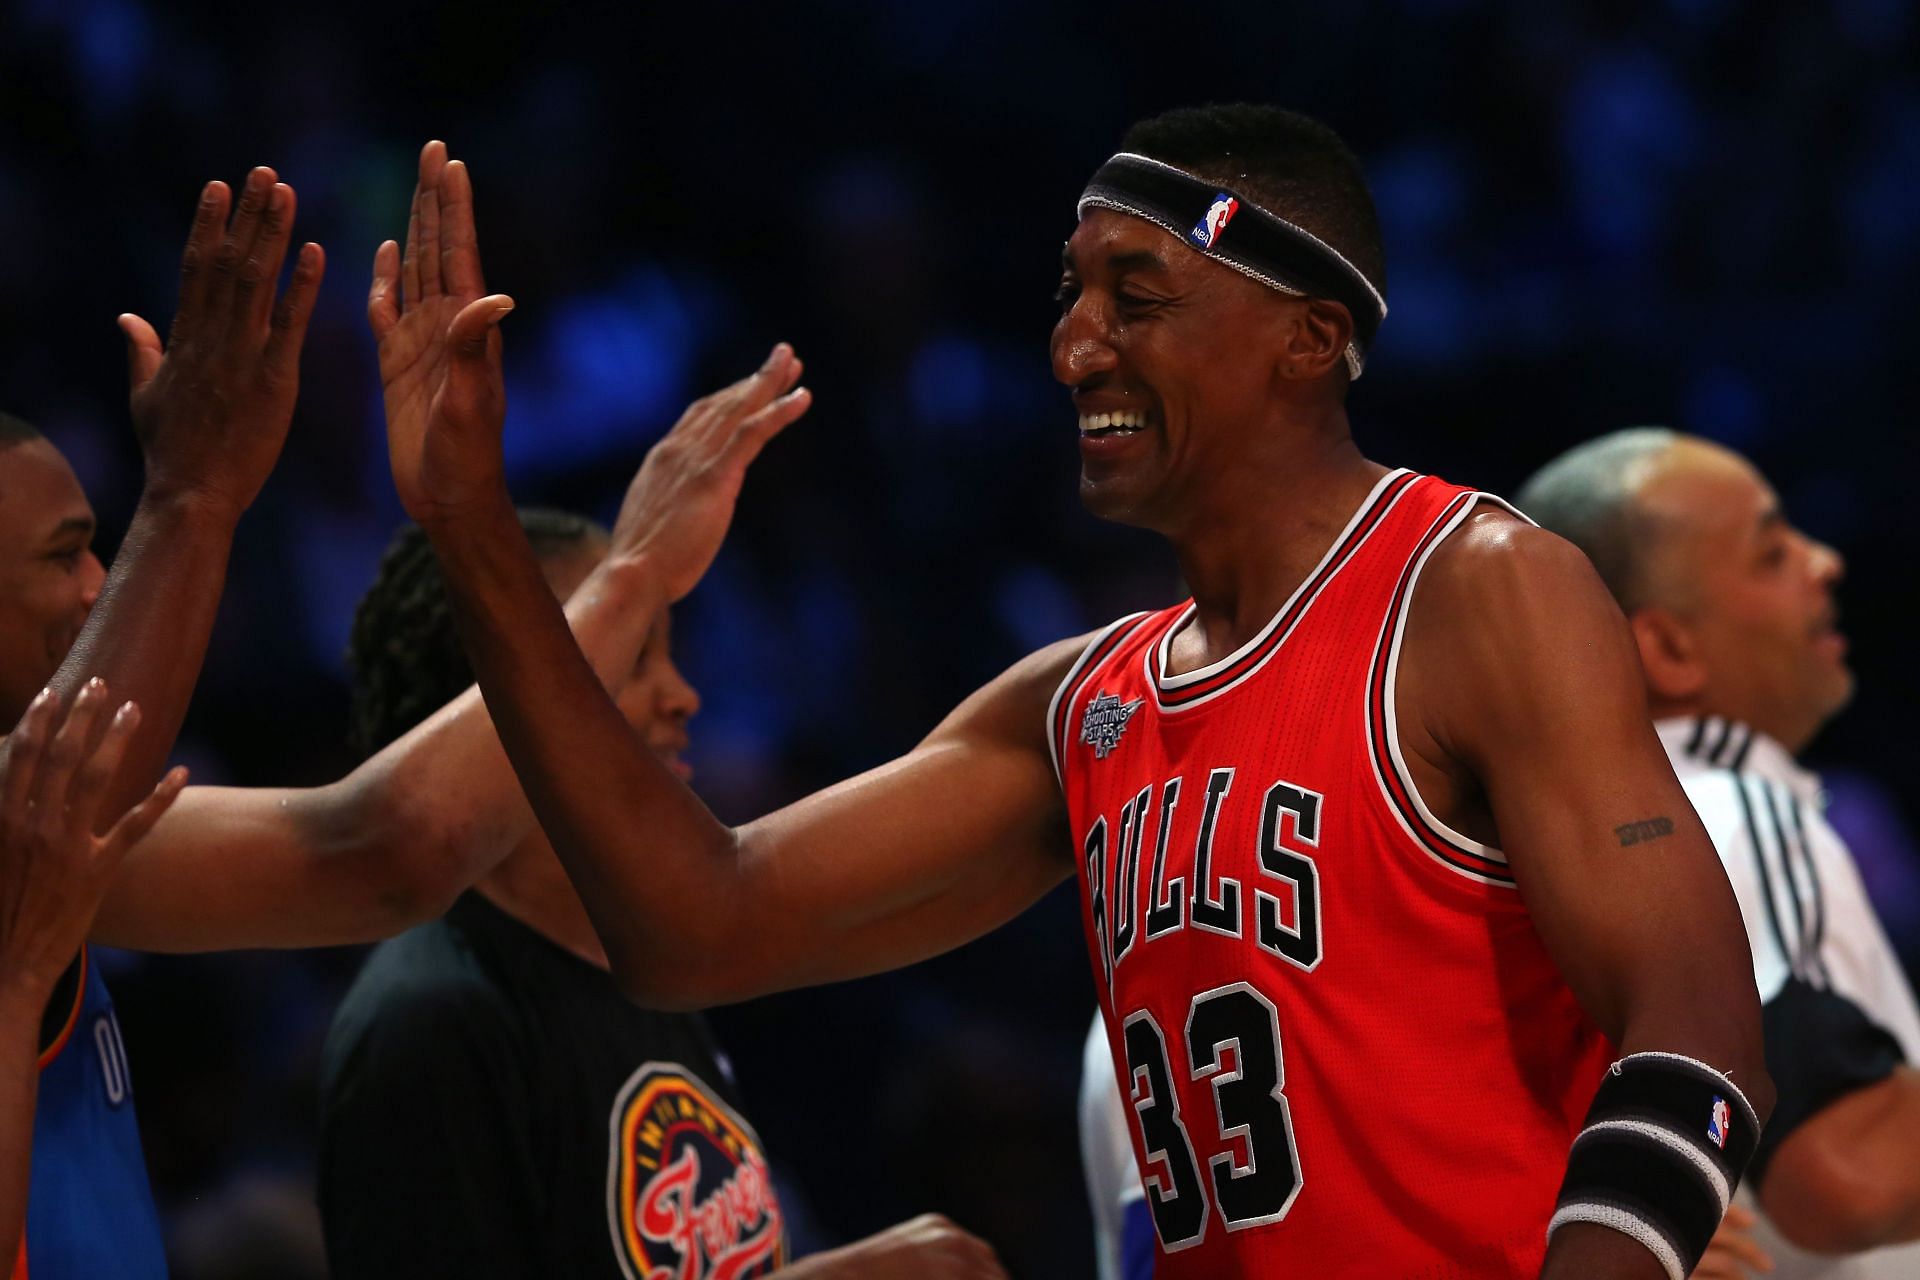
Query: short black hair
x=1589, y=495
x=404, y=654
x=1289, y=163
x=16, y=431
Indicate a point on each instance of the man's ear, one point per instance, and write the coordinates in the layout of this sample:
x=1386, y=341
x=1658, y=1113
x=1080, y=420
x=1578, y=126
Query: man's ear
x=1317, y=341
x=1669, y=654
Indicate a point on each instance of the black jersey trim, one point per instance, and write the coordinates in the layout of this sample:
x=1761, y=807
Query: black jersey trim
x=1794, y=810
x=1719, y=742
x=1446, y=846
x=1193, y=688
x=1766, y=874
x=55, y=1032
x=1060, y=710
x=1800, y=905
x=1739, y=760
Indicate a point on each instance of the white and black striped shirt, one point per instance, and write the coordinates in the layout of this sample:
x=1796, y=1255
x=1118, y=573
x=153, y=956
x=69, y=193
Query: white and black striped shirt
x=1806, y=911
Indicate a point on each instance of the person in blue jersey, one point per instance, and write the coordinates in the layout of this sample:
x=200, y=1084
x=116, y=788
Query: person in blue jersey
x=210, y=407
x=53, y=872
x=387, y=847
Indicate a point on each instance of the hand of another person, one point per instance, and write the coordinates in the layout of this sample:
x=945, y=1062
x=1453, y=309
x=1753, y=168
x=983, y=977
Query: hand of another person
x=53, y=868
x=440, y=349
x=1733, y=1255
x=211, y=407
x=928, y=1247
x=677, y=509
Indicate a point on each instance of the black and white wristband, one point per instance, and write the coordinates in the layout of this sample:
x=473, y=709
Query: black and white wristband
x=1664, y=1145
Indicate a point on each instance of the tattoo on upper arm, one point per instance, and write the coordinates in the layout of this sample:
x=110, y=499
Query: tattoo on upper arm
x=1640, y=832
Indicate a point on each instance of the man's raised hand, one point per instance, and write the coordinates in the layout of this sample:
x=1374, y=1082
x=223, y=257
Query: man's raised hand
x=211, y=406
x=54, y=783
x=677, y=509
x=440, y=349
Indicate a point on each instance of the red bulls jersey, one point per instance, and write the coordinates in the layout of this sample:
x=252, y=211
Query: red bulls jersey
x=1342, y=1046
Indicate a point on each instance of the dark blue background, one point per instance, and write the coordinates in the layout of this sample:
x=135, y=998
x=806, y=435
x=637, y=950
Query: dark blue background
x=1699, y=213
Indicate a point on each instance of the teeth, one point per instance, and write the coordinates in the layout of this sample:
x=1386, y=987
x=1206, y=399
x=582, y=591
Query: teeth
x=1108, y=421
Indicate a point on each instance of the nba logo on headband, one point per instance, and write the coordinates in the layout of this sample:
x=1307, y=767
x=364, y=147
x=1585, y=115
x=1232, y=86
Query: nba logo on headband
x=1218, y=215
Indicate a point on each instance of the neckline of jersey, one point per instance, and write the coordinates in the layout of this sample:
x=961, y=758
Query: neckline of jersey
x=1159, y=652
x=1718, y=742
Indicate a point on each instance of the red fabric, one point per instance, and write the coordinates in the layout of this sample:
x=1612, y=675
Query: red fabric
x=1436, y=1067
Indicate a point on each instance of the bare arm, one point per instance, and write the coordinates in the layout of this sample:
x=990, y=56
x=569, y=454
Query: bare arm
x=902, y=863
x=53, y=869
x=385, y=848
x=392, y=843
x=211, y=411
x=1848, y=1179
x=899, y=864
x=1546, y=709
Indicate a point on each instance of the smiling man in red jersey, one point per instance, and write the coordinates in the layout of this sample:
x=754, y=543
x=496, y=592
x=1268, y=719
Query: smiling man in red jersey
x=1365, y=932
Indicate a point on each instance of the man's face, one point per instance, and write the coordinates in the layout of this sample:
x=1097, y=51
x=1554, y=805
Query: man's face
x=49, y=576
x=1169, y=358
x=1756, y=593
x=656, y=698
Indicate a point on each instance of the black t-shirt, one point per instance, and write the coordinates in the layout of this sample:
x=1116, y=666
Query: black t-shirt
x=492, y=1106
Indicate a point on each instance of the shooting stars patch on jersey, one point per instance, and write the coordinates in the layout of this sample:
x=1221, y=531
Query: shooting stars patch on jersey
x=1218, y=215
x=1106, y=719
x=1718, y=1121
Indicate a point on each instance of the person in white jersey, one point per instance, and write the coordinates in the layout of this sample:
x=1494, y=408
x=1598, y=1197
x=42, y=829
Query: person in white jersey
x=1122, y=1223
x=1733, y=611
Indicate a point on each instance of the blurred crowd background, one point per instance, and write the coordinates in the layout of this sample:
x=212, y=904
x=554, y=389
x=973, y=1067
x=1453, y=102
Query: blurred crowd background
x=1699, y=212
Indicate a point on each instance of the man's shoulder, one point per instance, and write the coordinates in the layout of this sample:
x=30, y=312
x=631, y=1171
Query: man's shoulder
x=1015, y=703
x=1502, y=606
x=1497, y=559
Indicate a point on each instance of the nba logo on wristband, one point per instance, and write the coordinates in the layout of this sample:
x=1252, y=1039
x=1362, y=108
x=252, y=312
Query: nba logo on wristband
x=1218, y=215
x=1717, y=1122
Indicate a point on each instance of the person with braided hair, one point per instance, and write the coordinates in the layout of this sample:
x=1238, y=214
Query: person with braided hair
x=488, y=1056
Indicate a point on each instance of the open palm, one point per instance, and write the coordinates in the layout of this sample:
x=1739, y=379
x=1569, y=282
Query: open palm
x=439, y=348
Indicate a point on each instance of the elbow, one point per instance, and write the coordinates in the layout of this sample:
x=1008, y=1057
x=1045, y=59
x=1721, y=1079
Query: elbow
x=648, y=987
x=417, y=864
x=686, y=978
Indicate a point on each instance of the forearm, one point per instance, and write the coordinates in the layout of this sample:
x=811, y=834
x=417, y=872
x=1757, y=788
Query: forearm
x=441, y=805
x=147, y=635
x=637, y=844
x=1584, y=1251
x=1886, y=1137
x=21, y=1005
x=385, y=848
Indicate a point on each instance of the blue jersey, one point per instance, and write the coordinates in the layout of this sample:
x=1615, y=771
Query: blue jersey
x=90, y=1213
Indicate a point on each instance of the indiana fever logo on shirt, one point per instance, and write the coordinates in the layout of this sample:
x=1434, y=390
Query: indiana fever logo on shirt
x=688, y=1192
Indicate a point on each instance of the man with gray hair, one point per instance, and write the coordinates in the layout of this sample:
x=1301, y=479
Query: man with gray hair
x=1733, y=612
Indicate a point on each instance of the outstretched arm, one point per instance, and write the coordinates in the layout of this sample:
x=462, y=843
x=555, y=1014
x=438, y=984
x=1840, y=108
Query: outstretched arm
x=396, y=840
x=53, y=869
x=385, y=848
x=211, y=410
x=902, y=863
x=1547, y=710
